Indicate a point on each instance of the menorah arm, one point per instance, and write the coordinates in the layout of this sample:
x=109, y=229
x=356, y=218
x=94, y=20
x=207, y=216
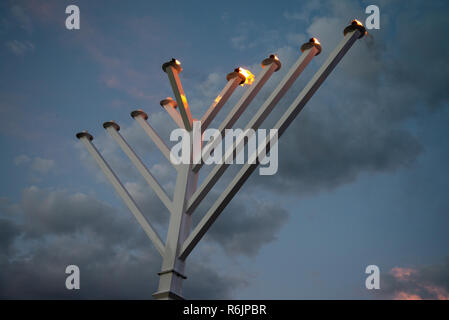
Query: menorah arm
x=239, y=108
x=219, y=101
x=173, y=68
x=170, y=106
x=123, y=193
x=141, y=117
x=113, y=129
x=255, y=122
x=282, y=124
x=213, y=213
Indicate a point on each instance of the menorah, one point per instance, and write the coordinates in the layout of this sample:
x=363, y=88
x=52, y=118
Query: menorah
x=181, y=239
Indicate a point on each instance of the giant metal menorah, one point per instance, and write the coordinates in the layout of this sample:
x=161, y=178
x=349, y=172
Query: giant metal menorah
x=180, y=238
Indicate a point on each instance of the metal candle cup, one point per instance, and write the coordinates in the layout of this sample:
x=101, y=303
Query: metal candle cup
x=170, y=106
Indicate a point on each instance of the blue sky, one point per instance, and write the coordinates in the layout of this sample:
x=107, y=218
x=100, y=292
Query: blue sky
x=362, y=178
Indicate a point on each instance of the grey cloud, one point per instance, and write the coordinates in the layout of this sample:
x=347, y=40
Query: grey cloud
x=37, y=164
x=249, y=35
x=22, y=18
x=149, y=203
x=57, y=212
x=296, y=39
x=308, y=10
x=203, y=283
x=56, y=229
x=20, y=48
x=246, y=225
x=357, y=121
x=8, y=232
x=240, y=42
x=42, y=166
x=21, y=159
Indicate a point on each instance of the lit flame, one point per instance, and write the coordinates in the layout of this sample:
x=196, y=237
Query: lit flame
x=357, y=22
x=249, y=77
x=315, y=40
x=177, y=62
x=276, y=57
x=184, y=100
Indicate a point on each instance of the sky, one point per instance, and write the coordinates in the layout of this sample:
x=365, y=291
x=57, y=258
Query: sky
x=363, y=170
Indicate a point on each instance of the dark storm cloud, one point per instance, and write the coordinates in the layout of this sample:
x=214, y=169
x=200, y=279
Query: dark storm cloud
x=57, y=213
x=115, y=257
x=357, y=121
x=8, y=232
x=203, y=282
x=246, y=225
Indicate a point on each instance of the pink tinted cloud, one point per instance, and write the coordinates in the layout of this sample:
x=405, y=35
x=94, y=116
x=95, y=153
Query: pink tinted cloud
x=402, y=273
x=133, y=81
x=408, y=275
x=439, y=292
x=402, y=295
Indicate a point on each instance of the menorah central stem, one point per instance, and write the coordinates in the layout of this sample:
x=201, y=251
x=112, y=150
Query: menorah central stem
x=172, y=273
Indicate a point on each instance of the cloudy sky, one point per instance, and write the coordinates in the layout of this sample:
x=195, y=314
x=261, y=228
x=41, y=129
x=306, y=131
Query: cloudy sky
x=363, y=173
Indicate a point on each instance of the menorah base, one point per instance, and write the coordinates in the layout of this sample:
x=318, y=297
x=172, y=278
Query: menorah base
x=167, y=295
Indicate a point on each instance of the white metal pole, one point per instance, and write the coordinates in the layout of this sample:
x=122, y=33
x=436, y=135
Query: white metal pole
x=141, y=118
x=172, y=273
x=310, y=50
x=173, y=68
x=170, y=106
x=298, y=104
x=113, y=129
x=234, y=79
x=86, y=139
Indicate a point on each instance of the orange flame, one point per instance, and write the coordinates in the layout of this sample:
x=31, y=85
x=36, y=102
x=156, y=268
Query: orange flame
x=177, y=62
x=249, y=77
x=315, y=40
x=184, y=99
x=217, y=99
x=357, y=22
